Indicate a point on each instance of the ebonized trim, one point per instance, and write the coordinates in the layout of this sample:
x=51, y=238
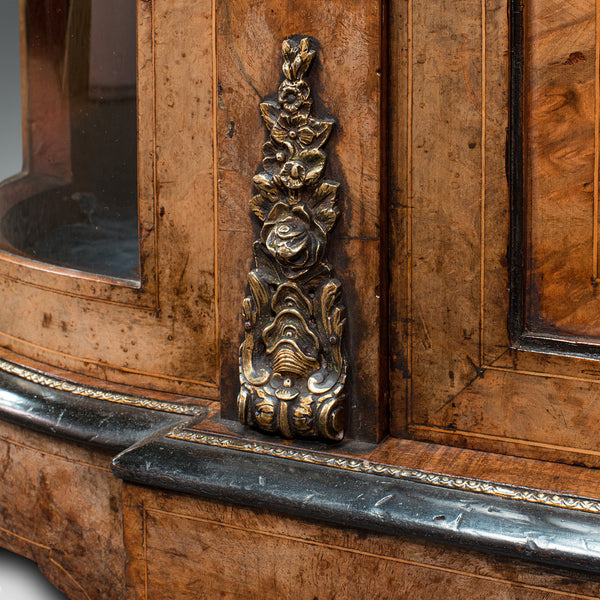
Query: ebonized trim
x=150, y=455
x=517, y=529
x=515, y=166
x=74, y=417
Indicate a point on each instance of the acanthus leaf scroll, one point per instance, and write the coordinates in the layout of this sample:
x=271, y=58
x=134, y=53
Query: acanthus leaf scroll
x=292, y=364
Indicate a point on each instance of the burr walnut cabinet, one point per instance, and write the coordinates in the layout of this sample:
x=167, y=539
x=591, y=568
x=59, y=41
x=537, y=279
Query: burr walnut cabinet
x=300, y=299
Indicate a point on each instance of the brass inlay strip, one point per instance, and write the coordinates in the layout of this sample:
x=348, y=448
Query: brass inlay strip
x=359, y=465
x=98, y=394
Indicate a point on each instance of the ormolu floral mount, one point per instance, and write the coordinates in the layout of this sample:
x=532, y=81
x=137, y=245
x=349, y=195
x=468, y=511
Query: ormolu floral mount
x=292, y=368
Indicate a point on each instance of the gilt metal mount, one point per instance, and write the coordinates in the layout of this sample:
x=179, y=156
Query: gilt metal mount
x=292, y=365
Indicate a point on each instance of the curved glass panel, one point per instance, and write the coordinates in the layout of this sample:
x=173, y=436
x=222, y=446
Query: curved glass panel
x=11, y=147
x=76, y=204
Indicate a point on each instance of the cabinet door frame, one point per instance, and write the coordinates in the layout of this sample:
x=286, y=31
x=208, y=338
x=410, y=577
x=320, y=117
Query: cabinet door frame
x=37, y=176
x=159, y=335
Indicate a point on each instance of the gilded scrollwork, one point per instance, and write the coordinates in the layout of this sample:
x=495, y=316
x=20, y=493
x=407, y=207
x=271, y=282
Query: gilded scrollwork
x=292, y=365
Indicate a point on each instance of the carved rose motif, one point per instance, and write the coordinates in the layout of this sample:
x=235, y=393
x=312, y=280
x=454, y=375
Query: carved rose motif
x=292, y=238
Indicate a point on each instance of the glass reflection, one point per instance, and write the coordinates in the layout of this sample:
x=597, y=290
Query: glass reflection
x=11, y=148
x=77, y=205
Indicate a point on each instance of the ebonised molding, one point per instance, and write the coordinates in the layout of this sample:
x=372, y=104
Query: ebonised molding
x=150, y=455
x=518, y=529
x=78, y=418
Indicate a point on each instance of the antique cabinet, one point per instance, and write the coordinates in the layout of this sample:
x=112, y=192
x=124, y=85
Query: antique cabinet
x=367, y=230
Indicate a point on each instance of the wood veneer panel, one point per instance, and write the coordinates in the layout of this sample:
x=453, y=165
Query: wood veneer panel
x=232, y=552
x=446, y=189
x=468, y=387
x=560, y=153
x=452, y=205
x=162, y=336
x=347, y=83
x=61, y=507
x=489, y=466
x=558, y=417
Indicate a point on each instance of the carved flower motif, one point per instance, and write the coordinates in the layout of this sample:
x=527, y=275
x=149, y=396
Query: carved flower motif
x=294, y=129
x=297, y=58
x=293, y=174
x=292, y=239
x=276, y=155
x=293, y=317
x=293, y=94
x=304, y=170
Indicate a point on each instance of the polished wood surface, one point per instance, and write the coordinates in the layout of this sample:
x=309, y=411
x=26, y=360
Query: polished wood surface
x=162, y=334
x=347, y=83
x=450, y=206
x=233, y=553
x=455, y=376
x=61, y=507
x=420, y=150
